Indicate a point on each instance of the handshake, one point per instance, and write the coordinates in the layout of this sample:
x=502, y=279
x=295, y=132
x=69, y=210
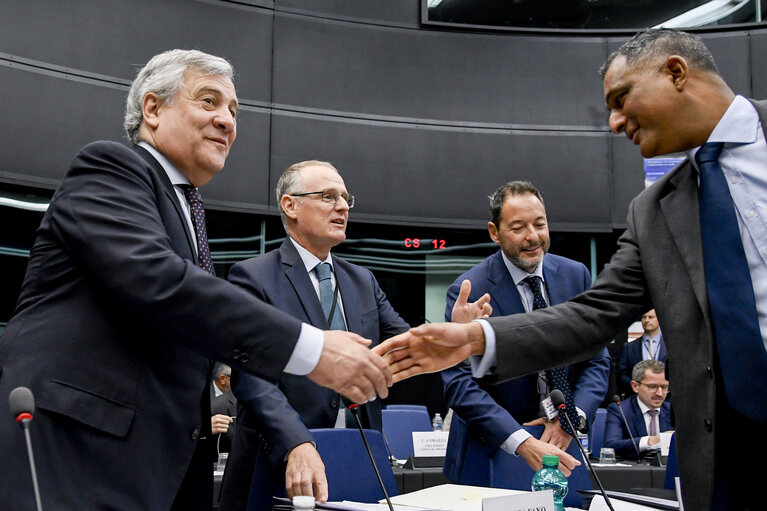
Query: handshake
x=361, y=374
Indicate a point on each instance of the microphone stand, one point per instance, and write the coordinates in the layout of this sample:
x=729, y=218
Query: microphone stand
x=353, y=410
x=558, y=398
x=24, y=422
x=626, y=423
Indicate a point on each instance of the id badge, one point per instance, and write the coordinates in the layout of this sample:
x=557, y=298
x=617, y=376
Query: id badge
x=548, y=409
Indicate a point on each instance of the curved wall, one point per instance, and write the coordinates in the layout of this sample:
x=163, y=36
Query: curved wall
x=422, y=123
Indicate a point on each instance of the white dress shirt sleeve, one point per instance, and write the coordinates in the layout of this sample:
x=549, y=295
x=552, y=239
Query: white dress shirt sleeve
x=307, y=351
x=483, y=364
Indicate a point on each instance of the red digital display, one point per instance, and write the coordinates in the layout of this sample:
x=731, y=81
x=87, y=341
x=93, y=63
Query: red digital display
x=419, y=243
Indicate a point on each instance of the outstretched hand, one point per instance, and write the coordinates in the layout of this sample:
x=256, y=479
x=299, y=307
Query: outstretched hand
x=463, y=312
x=347, y=366
x=431, y=348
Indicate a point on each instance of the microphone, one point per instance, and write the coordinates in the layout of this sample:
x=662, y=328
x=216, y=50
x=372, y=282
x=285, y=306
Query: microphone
x=22, y=405
x=558, y=399
x=354, y=409
x=617, y=401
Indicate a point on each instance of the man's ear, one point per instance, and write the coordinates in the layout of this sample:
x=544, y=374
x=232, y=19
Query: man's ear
x=150, y=109
x=635, y=386
x=492, y=229
x=676, y=67
x=288, y=205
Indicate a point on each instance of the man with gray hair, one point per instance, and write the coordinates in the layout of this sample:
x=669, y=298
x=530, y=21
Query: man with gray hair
x=120, y=280
x=306, y=280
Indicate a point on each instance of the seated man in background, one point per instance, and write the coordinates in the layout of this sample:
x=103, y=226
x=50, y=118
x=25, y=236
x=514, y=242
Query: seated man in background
x=648, y=347
x=647, y=413
x=303, y=279
x=521, y=277
x=223, y=409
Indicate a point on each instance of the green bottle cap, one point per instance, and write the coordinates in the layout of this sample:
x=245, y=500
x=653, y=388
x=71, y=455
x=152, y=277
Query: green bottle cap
x=550, y=460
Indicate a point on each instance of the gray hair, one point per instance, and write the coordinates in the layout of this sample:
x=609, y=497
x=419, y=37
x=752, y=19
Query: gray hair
x=510, y=188
x=637, y=374
x=649, y=47
x=289, y=182
x=221, y=368
x=164, y=76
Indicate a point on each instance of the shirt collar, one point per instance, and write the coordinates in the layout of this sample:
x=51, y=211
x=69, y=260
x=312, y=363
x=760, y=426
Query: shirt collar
x=738, y=125
x=517, y=273
x=310, y=260
x=175, y=175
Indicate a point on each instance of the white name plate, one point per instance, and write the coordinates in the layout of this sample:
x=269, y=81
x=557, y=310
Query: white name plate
x=532, y=501
x=430, y=443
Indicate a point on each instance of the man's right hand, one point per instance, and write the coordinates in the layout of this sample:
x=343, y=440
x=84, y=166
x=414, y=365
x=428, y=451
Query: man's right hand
x=533, y=450
x=347, y=366
x=305, y=473
x=220, y=423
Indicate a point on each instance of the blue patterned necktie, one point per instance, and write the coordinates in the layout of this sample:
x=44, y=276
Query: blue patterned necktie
x=557, y=377
x=328, y=297
x=192, y=195
x=739, y=343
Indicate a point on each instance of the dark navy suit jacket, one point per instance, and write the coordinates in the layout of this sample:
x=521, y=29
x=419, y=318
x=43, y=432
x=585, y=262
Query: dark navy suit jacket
x=493, y=412
x=113, y=332
x=631, y=355
x=279, y=418
x=616, y=435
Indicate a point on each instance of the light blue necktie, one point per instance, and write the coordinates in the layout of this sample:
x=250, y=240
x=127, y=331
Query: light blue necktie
x=739, y=342
x=327, y=297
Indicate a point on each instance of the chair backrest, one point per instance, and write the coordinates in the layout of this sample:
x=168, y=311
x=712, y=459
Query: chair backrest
x=597, y=431
x=513, y=472
x=347, y=464
x=672, y=469
x=398, y=426
x=407, y=407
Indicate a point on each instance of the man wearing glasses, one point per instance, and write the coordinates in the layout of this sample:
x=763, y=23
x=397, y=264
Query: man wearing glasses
x=303, y=279
x=647, y=413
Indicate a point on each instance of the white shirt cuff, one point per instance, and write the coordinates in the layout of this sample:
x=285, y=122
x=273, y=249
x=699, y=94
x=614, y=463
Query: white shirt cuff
x=643, y=443
x=483, y=364
x=307, y=351
x=515, y=440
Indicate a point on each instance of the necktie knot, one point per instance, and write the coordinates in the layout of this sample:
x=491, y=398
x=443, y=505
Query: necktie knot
x=709, y=152
x=534, y=283
x=191, y=193
x=323, y=271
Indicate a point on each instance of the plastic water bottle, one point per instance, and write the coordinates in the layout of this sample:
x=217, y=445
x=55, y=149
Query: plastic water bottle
x=583, y=438
x=551, y=478
x=436, y=422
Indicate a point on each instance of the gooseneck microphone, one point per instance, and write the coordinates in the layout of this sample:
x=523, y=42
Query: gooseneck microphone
x=22, y=405
x=617, y=401
x=353, y=408
x=558, y=399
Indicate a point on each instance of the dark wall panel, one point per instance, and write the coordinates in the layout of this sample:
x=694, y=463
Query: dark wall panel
x=758, y=70
x=419, y=74
x=117, y=37
x=391, y=12
x=49, y=119
x=438, y=176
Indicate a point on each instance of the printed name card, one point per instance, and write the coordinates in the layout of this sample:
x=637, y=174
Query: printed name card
x=430, y=443
x=532, y=501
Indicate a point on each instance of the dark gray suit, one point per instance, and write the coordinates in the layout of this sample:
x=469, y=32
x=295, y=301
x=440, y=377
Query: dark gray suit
x=659, y=264
x=114, y=332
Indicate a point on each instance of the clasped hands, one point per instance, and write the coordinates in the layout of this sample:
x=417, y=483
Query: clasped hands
x=363, y=374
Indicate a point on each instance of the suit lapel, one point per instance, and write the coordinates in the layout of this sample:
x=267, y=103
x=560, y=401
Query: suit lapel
x=296, y=273
x=502, y=288
x=680, y=211
x=170, y=194
x=556, y=285
x=350, y=302
x=640, y=429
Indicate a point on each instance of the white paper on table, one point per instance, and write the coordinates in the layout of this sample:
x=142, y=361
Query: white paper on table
x=598, y=504
x=665, y=442
x=452, y=497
